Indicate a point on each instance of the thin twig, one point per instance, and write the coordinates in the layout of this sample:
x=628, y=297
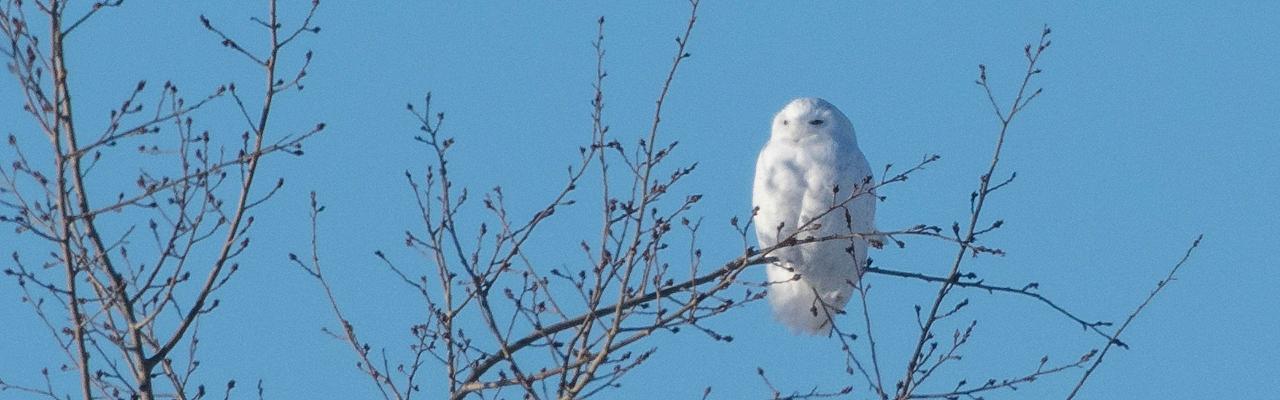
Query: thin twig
x=1133, y=315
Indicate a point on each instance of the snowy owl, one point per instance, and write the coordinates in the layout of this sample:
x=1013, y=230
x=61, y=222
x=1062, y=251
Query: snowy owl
x=810, y=165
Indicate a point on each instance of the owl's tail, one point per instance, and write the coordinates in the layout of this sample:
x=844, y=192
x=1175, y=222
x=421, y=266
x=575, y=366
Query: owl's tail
x=795, y=303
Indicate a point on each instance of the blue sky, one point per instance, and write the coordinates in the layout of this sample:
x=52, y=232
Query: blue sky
x=1159, y=122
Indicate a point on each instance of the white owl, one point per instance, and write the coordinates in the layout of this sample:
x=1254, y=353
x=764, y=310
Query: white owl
x=811, y=152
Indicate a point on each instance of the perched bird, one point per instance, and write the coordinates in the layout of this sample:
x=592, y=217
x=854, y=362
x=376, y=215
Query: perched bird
x=812, y=177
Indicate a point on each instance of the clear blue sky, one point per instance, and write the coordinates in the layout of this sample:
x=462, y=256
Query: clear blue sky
x=1159, y=121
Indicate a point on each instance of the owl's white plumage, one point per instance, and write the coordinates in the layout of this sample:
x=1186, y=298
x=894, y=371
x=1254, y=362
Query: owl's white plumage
x=811, y=151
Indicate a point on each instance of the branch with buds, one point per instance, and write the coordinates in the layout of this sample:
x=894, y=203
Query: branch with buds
x=133, y=297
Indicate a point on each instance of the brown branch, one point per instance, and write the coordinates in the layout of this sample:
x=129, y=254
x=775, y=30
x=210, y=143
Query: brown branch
x=233, y=228
x=908, y=384
x=1024, y=291
x=1133, y=315
x=645, y=198
x=992, y=384
x=71, y=170
x=776, y=394
x=380, y=377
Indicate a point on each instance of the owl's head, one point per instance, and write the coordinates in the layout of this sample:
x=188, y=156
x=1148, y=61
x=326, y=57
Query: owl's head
x=810, y=116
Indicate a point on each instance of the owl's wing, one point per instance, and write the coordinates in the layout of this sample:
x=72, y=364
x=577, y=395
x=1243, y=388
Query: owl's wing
x=855, y=175
x=850, y=172
x=777, y=191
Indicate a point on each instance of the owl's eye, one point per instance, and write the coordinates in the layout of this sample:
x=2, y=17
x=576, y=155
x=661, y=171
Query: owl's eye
x=816, y=122
x=785, y=122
